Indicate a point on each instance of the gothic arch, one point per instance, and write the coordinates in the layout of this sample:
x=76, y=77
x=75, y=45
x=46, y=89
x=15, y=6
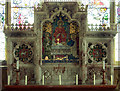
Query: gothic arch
x=63, y=12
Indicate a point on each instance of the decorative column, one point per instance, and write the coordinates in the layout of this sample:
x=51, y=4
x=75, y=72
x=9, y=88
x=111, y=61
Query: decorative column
x=84, y=63
x=38, y=46
x=112, y=51
x=37, y=68
x=38, y=74
x=8, y=12
x=112, y=14
x=83, y=45
x=41, y=33
x=9, y=55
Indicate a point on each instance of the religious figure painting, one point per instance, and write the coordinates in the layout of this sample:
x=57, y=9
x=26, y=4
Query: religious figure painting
x=59, y=39
x=60, y=30
x=47, y=40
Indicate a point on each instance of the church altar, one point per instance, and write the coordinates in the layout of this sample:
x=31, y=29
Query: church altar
x=60, y=47
x=60, y=87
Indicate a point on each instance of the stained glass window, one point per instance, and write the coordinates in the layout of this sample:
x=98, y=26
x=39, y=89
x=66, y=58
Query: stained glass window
x=22, y=11
x=117, y=43
x=22, y=15
x=99, y=12
x=117, y=6
x=2, y=13
x=24, y=3
x=2, y=36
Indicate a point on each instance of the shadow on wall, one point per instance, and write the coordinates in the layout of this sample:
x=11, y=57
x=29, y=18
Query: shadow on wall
x=3, y=74
x=117, y=77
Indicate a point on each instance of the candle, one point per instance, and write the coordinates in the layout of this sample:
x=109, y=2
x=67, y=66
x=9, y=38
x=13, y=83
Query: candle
x=8, y=79
x=103, y=65
x=77, y=79
x=25, y=79
x=59, y=79
x=43, y=80
x=111, y=79
x=17, y=65
x=94, y=79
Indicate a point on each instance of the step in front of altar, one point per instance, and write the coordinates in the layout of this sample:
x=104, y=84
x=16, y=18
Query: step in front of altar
x=60, y=87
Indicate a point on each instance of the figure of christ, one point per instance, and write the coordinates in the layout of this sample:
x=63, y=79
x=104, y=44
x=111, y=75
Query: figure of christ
x=60, y=32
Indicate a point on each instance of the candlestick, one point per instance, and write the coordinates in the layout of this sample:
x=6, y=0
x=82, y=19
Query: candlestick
x=26, y=80
x=111, y=79
x=8, y=79
x=43, y=80
x=59, y=79
x=103, y=80
x=17, y=77
x=77, y=79
x=94, y=79
x=17, y=65
x=104, y=65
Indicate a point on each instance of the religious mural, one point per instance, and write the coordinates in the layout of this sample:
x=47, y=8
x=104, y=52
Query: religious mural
x=47, y=40
x=59, y=39
x=60, y=30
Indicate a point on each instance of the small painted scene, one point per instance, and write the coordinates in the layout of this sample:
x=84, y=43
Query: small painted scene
x=60, y=41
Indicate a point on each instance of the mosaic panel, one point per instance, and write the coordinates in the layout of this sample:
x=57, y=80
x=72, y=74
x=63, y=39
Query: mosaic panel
x=97, y=52
x=23, y=52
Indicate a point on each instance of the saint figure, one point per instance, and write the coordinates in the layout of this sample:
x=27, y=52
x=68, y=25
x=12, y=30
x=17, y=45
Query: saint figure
x=60, y=32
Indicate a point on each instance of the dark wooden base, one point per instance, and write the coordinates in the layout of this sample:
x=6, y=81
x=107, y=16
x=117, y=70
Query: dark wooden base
x=60, y=88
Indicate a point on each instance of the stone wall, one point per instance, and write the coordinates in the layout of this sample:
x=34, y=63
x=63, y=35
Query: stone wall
x=117, y=77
